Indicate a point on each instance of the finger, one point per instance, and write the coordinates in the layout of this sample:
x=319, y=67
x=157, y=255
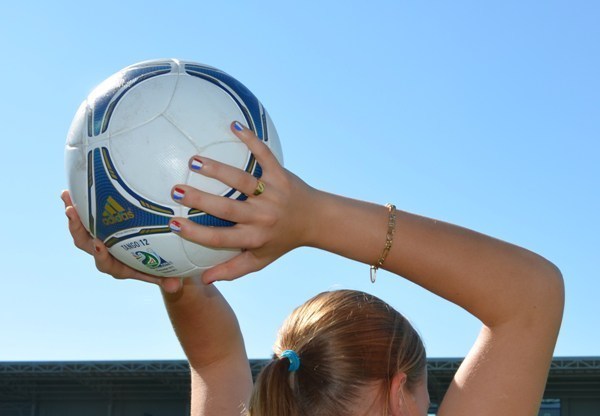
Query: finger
x=225, y=208
x=238, y=266
x=259, y=149
x=214, y=237
x=81, y=238
x=106, y=263
x=66, y=197
x=229, y=175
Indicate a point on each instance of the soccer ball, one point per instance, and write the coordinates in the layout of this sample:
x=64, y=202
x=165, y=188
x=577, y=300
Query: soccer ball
x=130, y=143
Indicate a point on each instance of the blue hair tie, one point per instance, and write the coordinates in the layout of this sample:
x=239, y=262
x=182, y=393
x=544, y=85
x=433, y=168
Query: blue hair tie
x=293, y=358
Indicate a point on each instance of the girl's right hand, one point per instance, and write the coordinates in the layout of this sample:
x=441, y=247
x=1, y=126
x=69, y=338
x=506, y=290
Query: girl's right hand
x=105, y=262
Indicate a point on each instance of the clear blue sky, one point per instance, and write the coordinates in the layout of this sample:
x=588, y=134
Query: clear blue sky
x=484, y=114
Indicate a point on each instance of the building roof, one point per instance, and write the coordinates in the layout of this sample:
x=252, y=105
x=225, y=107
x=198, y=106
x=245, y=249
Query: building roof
x=570, y=377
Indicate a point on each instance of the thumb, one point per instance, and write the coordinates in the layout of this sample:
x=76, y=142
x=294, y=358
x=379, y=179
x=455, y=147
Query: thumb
x=238, y=266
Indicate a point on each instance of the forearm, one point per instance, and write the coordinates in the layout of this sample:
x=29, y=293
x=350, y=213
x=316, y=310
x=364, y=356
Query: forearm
x=211, y=339
x=493, y=280
x=203, y=321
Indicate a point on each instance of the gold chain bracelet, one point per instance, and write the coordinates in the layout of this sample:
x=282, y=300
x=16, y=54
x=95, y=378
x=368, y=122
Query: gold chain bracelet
x=389, y=239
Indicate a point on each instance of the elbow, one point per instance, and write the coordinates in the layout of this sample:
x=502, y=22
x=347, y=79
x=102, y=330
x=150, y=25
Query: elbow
x=558, y=284
x=548, y=298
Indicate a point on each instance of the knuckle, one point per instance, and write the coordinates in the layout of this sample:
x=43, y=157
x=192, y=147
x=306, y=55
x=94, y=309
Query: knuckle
x=213, y=169
x=227, y=211
x=191, y=198
x=286, y=181
x=256, y=265
x=215, y=239
x=83, y=245
x=271, y=220
x=256, y=240
x=227, y=272
x=249, y=182
x=102, y=266
x=261, y=151
x=268, y=218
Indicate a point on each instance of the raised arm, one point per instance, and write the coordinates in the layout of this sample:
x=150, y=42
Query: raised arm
x=517, y=295
x=204, y=323
x=211, y=339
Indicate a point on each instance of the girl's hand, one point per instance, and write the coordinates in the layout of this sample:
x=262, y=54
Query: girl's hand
x=269, y=223
x=105, y=262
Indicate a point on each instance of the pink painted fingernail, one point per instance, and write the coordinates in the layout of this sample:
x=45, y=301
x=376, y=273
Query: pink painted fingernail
x=196, y=164
x=178, y=194
x=175, y=226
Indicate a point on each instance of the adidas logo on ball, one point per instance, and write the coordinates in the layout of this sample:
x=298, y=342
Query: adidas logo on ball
x=115, y=213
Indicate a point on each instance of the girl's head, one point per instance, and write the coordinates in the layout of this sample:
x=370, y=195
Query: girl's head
x=358, y=356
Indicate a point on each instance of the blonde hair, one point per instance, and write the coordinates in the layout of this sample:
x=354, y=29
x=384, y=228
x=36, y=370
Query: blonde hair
x=345, y=340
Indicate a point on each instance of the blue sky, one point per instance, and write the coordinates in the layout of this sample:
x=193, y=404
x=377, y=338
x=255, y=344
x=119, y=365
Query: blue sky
x=485, y=115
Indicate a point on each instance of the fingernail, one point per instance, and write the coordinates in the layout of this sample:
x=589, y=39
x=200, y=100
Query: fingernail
x=238, y=126
x=96, y=247
x=175, y=226
x=196, y=164
x=178, y=194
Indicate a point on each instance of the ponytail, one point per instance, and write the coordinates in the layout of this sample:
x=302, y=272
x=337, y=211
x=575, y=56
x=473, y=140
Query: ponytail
x=273, y=392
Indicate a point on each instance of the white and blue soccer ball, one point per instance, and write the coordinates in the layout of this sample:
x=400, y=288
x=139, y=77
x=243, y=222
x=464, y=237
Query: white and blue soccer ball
x=130, y=143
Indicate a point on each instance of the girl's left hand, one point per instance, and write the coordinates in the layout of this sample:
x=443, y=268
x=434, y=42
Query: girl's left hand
x=271, y=222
